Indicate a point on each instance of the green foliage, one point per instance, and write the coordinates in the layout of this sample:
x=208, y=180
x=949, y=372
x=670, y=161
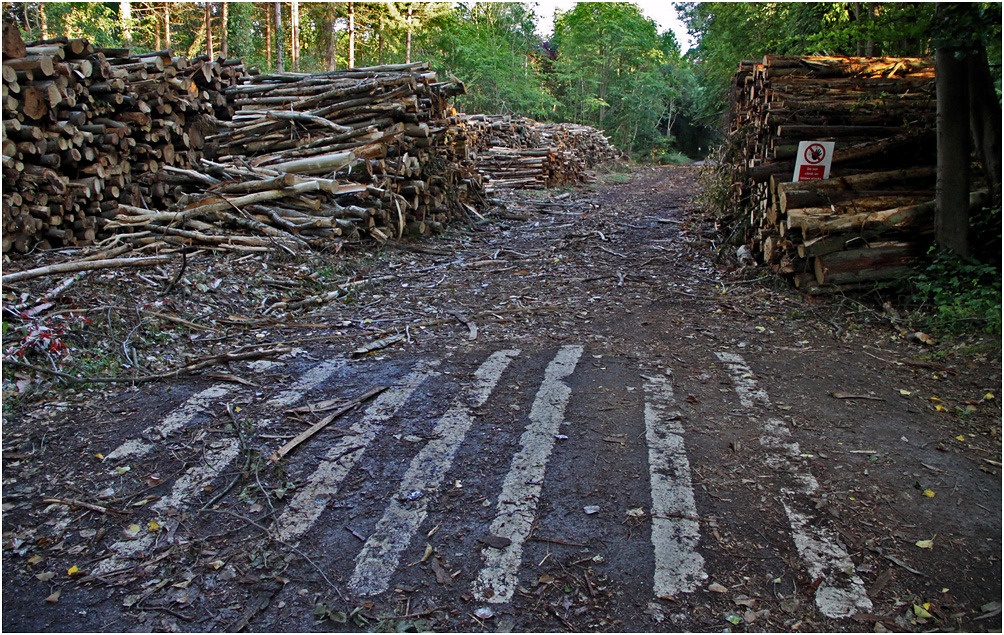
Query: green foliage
x=959, y=293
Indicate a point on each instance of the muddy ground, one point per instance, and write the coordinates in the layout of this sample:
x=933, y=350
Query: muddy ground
x=695, y=446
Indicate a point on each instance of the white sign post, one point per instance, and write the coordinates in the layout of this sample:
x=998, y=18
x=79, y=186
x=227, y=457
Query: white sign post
x=813, y=162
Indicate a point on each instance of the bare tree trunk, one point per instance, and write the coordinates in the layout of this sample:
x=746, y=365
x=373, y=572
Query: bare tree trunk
x=158, y=42
x=42, y=20
x=857, y=18
x=278, y=36
x=951, y=217
x=352, y=35
x=209, y=30
x=985, y=121
x=268, y=37
x=167, y=25
x=294, y=20
x=331, y=16
x=407, y=55
x=223, y=30
x=870, y=11
x=125, y=22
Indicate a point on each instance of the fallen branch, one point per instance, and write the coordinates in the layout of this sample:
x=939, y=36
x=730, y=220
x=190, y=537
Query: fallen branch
x=94, y=508
x=191, y=368
x=314, y=429
x=80, y=265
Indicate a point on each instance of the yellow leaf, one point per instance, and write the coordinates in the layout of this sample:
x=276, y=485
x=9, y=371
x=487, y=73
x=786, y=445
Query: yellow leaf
x=34, y=559
x=904, y=392
x=961, y=437
x=154, y=526
x=927, y=606
x=920, y=611
x=237, y=408
x=132, y=530
x=989, y=396
x=934, y=399
x=941, y=408
x=215, y=564
x=925, y=544
x=72, y=570
x=122, y=469
x=929, y=493
x=100, y=457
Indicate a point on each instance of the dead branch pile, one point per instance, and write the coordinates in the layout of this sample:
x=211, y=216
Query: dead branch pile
x=88, y=129
x=874, y=214
x=516, y=152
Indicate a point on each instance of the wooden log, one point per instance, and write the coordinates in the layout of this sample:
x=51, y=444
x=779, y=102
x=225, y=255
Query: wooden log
x=880, y=261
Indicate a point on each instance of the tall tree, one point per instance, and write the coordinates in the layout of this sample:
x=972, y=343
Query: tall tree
x=125, y=22
x=225, y=18
x=209, y=30
x=352, y=35
x=167, y=25
x=294, y=21
x=277, y=29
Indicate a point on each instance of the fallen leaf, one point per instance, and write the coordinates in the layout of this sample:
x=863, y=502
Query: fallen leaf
x=154, y=525
x=920, y=611
x=591, y=509
x=497, y=542
x=154, y=479
x=941, y=408
x=717, y=588
x=442, y=575
x=55, y=596
x=484, y=613
x=735, y=619
x=961, y=437
x=131, y=531
x=215, y=564
x=122, y=469
x=904, y=392
x=34, y=559
x=100, y=457
x=46, y=575
x=989, y=396
x=925, y=544
x=929, y=493
x=636, y=512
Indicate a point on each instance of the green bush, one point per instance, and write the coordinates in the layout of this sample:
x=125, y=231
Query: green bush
x=959, y=293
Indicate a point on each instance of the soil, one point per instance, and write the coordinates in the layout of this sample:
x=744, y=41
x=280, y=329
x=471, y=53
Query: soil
x=900, y=436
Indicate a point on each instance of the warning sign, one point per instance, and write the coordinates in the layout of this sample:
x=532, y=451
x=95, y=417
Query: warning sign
x=814, y=158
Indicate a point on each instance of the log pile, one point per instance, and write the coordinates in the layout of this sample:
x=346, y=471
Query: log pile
x=87, y=129
x=516, y=152
x=370, y=149
x=874, y=215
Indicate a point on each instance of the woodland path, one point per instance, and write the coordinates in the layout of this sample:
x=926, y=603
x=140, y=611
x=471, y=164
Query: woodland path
x=634, y=439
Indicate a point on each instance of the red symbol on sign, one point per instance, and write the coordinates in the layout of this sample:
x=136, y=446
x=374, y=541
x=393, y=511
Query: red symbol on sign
x=815, y=153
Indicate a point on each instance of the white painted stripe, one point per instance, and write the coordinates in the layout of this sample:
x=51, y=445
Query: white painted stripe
x=176, y=420
x=746, y=386
x=307, y=382
x=517, y=503
x=381, y=554
x=311, y=499
x=679, y=568
x=842, y=592
x=186, y=488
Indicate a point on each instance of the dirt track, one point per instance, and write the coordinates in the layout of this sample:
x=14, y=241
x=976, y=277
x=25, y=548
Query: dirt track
x=587, y=425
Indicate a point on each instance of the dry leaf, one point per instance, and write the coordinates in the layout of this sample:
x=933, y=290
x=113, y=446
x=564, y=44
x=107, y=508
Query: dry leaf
x=55, y=596
x=46, y=576
x=717, y=588
x=925, y=544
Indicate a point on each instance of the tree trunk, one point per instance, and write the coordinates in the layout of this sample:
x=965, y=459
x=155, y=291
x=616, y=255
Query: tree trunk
x=857, y=18
x=294, y=20
x=985, y=121
x=209, y=30
x=951, y=219
x=167, y=25
x=224, y=50
x=330, y=13
x=407, y=56
x=268, y=37
x=278, y=36
x=352, y=35
x=43, y=22
x=125, y=22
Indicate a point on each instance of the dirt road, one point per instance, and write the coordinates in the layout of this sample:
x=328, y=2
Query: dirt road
x=586, y=425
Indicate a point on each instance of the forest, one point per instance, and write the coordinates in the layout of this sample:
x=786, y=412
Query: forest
x=605, y=65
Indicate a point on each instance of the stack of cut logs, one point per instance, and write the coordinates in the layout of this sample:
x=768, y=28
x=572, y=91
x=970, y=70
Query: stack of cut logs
x=516, y=152
x=88, y=130
x=874, y=215
x=317, y=156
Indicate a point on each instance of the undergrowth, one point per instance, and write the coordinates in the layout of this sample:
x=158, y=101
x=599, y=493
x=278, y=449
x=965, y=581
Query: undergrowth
x=954, y=295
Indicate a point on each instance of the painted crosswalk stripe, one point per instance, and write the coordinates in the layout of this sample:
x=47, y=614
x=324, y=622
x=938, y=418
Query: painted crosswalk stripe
x=184, y=490
x=381, y=554
x=842, y=592
x=311, y=499
x=517, y=503
x=176, y=420
x=216, y=459
x=679, y=568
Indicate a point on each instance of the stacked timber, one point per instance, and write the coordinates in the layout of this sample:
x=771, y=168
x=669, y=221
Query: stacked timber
x=873, y=216
x=371, y=150
x=517, y=152
x=87, y=129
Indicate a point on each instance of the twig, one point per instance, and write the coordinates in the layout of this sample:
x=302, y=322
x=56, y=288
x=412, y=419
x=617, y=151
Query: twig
x=312, y=430
x=283, y=543
x=94, y=508
x=80, y=265
x=209, y=361
x=177, y=276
